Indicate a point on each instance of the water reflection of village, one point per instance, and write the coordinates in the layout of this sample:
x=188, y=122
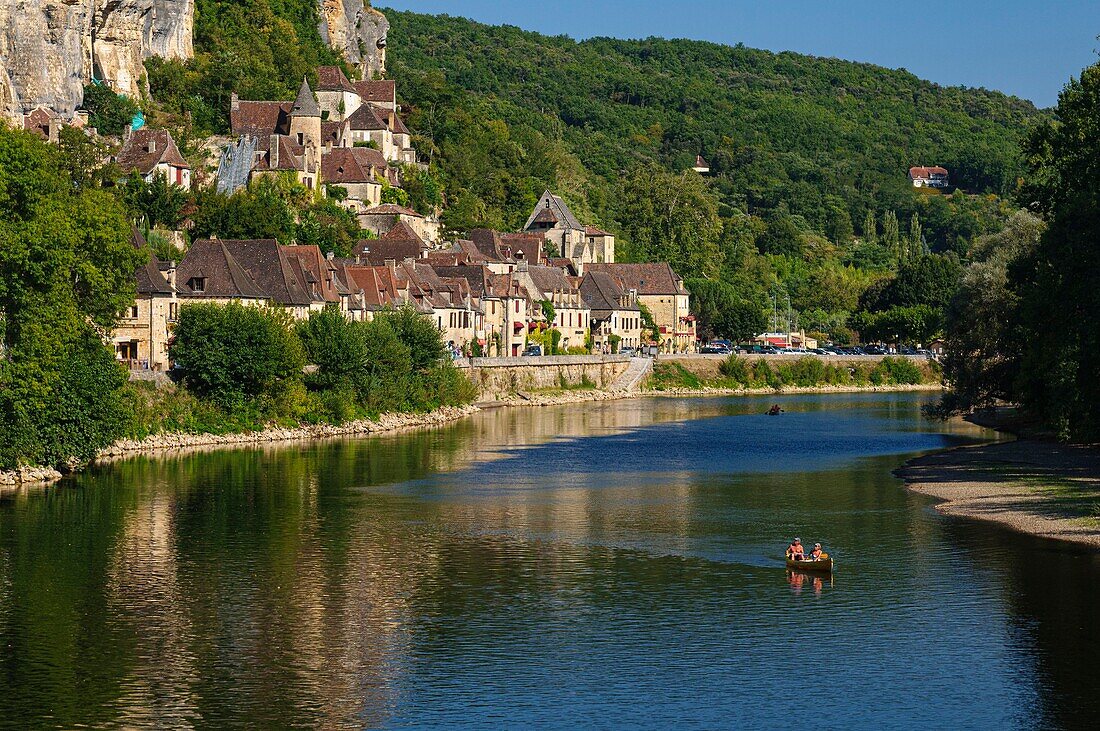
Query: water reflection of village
x=232, y=579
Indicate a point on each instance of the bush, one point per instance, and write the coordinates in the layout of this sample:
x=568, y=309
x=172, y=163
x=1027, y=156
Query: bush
x=896, y=371
x=108, y=112
x=232, y=354
x=736, y=369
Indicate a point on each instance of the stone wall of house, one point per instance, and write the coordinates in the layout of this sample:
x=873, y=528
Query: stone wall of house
x=358, y=31
x=499, y=378
x=47, y=47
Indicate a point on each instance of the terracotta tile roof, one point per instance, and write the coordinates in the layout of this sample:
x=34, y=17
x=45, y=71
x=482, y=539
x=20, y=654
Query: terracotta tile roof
x=390, y=209
x=926, y=172
x=149, y=278
x=320, y=272
x=348, y=165
x=332, y=78
x=384, y=90
x=490, y=244
x=476, y=277
x=260, y=118
x=398, y=126
x=546, y=215
x=565, y=264
x=366, y=118
x=332, y=132
x=550, y=280
x=246, y=268
x=147, y=148
x=527, y=246
x=448, y=258
x=593, y=231
x=651, y=279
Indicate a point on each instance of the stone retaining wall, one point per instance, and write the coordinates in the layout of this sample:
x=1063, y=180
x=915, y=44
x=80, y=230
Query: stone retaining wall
x=498, y=378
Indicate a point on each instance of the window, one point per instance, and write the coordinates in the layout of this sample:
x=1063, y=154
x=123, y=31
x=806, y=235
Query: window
x=197, y=284
x=173, y=310
x=301, y=139
x=132, y=311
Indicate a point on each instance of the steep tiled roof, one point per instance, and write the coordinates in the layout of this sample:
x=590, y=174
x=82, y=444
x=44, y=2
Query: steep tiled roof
x=649, y=279
x=557, y=206
x=602, y=292
x=550, y=280
x=212, y=261
x=320, y=272
x=490, y=244
x=366, y=118
x=332, y=132
x=384, y=90
x=256, y=268
x=593, y=231
x=306, y=104
x=146, y=148
x=347, y=165
x=332, y=78
x=390, y=209
x=398, y=126
x=260, y=118
x=527, y=246
x=149, y=278
x=926, y=172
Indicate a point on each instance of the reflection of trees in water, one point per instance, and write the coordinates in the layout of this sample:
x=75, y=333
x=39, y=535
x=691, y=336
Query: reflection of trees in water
x=1052, y=593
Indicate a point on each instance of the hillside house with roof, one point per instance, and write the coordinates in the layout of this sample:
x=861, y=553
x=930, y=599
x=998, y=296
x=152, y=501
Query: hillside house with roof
x=929, y=177
x=398, y=244
x=140, y=337
x=381, y=218
x=616, y=317
x=662, y=292
x=555, y=222
x=151, y=152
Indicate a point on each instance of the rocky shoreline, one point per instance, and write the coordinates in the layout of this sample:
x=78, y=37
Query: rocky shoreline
x=161, y=443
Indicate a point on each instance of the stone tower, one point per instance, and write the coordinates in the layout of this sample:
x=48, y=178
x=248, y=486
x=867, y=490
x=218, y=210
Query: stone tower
x=305, y=119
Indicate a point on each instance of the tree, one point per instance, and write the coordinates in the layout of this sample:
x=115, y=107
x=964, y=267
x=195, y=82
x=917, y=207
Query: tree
x=159, y=202
x=671, y=218
x=1059, y=281
x=721, y=313
x=891, y=238
x=108, y=112
x=781, y=237
x=983, y=337
x=915, y=245
x=870, y=228
x=233, y=354
x=66, y=271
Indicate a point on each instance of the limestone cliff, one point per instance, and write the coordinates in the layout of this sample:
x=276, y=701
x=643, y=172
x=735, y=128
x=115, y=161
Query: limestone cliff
x=50, y=48
x=358, y=31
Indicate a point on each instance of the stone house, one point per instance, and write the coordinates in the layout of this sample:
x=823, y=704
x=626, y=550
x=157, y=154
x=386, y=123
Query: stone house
x=140, y=337
x=555, y=222
x=381, y=218
x=572, y=315
x=359, y=171
x=152, y=152
x=615, y=312
x=662, y=292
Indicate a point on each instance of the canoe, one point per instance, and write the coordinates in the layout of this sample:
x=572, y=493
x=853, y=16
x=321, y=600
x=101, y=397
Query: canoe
x=825, y=564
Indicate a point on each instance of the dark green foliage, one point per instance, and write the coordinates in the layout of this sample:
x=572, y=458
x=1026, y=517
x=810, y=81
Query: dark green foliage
x=419, y=334
x=66, y=265
x=722, y=313
x=896, y=371
x=1058, y=281
x=158, y=202
x=108, y=112
x=233, y=354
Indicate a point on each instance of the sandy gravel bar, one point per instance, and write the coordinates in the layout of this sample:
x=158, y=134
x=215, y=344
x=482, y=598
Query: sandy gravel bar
x=1037, y=487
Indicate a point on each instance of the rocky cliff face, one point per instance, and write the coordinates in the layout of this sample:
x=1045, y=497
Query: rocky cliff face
x=358, y=31
x=50, y=48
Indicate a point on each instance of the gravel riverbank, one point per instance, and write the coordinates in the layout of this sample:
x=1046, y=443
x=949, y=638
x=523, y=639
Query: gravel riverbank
x=1036, y=487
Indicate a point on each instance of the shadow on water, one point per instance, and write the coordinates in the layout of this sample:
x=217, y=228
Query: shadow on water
x=617, y=564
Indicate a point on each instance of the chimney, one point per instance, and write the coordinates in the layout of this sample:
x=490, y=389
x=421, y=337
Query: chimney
x=391, y=264
x=273, y=154
x=330, y=255
x=234, y=102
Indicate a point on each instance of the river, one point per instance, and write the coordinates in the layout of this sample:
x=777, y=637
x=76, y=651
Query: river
x=605, y=565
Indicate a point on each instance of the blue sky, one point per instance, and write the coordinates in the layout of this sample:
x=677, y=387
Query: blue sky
x=1021, y=47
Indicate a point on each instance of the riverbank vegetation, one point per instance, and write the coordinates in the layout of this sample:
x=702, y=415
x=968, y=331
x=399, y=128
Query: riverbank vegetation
x=1023, y=326
x=242, y=370
x=736, y=372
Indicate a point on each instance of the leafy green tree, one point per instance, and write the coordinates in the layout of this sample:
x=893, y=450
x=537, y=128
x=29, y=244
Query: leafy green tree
x=891, y=238
x=66, y=271
x=159, y=202
x=721, y=313
x=782, y=237
x=420, y=334
x=915, y=245
x=870, y=228
x=671, y=218
x=233, y=354
x=108, y=112
x=1059, y=281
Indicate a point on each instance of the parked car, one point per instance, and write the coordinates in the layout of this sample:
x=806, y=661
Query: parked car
x=873, y=350
x=715, y=349
x=628, y=351
x=532, y=350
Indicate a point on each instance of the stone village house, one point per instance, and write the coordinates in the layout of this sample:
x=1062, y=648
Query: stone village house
x=662, y=292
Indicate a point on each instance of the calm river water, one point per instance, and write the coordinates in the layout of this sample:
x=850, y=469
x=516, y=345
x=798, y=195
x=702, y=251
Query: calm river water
x=609, y=565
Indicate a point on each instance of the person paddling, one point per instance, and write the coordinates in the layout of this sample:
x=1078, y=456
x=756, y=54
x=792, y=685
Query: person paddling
x=795, y=551
x=817, y=554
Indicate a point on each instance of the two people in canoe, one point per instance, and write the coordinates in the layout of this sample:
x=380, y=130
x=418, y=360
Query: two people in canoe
x=797, y=552
x=775, y=410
